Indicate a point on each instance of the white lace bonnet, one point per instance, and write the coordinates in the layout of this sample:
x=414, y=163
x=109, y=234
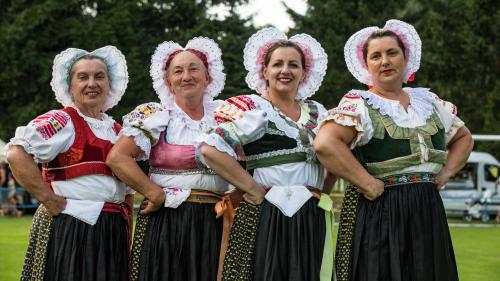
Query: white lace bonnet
x=353, y=49
x=202, y=44
x=117, y=72
x=260, y=42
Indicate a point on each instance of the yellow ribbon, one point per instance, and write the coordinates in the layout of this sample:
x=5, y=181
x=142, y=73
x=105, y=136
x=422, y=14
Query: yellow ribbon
x=224, y=208
x=327, y=268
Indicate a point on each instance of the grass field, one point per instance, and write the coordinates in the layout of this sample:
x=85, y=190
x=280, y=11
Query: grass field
x=477, y=250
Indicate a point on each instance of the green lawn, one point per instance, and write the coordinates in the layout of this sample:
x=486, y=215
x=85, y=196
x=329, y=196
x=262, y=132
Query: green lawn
x=477, y=250
x=14, y=234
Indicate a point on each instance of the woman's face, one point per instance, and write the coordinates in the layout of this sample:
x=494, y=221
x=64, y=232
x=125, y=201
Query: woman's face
x=385, y=61
x=89, y=83
x=285, y=71
x=187, y=76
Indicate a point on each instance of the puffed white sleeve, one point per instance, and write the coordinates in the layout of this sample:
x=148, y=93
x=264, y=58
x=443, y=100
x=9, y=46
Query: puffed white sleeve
x=352, y=112
x=239, y=122
x=145, y=124
x=447, y=113
x=46, y=136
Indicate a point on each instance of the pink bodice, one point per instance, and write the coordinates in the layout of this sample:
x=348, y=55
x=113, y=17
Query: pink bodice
x=172, y=156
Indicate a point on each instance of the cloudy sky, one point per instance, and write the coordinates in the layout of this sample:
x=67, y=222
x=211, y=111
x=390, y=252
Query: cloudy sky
x=268, y=12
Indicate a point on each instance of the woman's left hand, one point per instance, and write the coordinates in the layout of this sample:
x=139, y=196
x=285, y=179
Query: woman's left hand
x=153, y=203
x=256, y=196
x=443, y=177
x=459, y=149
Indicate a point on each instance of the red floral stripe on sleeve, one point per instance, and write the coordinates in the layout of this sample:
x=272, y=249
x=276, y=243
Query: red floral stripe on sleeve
x=50, y=123
x=242, y=102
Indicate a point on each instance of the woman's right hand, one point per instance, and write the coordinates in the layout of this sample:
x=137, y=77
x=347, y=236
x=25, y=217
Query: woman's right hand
x=256, y=196
x=54, y=204
x=153, y=202
x=373, y=189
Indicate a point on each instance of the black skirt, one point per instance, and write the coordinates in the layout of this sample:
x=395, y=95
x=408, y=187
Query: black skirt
x=286, y=248
x=403, y=235
x=78, y=251
x=179, y=244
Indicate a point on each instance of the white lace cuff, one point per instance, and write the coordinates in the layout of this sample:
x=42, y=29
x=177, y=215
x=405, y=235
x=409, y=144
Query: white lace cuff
x=455, y=126
x=348, y=121
x=215, y=141
x=352, y=112
x=447, y=112
x=140, y=140
x=26, y=146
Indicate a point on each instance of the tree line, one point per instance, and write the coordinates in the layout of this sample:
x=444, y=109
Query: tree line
x=460, y=61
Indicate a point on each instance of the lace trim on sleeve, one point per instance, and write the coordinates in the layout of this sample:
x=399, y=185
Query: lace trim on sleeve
x=213, y=140
x=447, y=112
x=351, y=112
x=455, y=126
x=348, y=121
x=218, y=142
x=26, y=146
x=140, y=139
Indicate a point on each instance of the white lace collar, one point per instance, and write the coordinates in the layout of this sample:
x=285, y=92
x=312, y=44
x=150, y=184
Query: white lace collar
x=106, y=122
x=421, y=102
x=280, y=120
x=176, y=113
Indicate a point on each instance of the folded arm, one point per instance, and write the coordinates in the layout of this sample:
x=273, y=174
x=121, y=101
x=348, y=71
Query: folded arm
x=26, y=172
x=332, y=147
x=121, y=160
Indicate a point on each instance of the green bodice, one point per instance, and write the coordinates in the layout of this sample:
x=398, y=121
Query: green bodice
x=394, y=148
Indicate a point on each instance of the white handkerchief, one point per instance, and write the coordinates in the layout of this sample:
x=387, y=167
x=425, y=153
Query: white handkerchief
x=84, y=210
x=174, y=197
x=289, y=199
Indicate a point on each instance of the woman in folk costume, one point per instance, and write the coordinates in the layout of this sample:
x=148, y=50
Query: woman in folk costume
x=406, y=143
x=81, y=230
x=280, y=228
x=178, y=234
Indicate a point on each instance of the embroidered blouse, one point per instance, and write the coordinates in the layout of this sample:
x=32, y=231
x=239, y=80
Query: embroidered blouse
x=277, y=149
x=146, y=123
x=355, y=107
x=53, y=133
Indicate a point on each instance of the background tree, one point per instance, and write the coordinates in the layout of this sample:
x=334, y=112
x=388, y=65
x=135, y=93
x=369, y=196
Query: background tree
x=460, y=61
x=31, y=34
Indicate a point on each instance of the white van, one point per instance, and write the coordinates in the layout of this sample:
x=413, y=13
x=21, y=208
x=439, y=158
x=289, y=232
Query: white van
x=477, y=179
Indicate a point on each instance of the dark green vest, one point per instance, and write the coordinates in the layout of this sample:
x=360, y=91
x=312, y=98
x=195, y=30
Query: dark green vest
x=394, y=148
x=275, y=148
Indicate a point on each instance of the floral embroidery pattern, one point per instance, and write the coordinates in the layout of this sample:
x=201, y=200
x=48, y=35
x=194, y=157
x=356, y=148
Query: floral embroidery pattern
x=352, y=95
x=171, y=191
x=409, y=178
x=50, y=123
x=229, y=138
x=349, y=107
x=227, y=112
x=345, y=120
x=313, y=115
x=142, y=112
x=242, y=102
x=454, y=109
